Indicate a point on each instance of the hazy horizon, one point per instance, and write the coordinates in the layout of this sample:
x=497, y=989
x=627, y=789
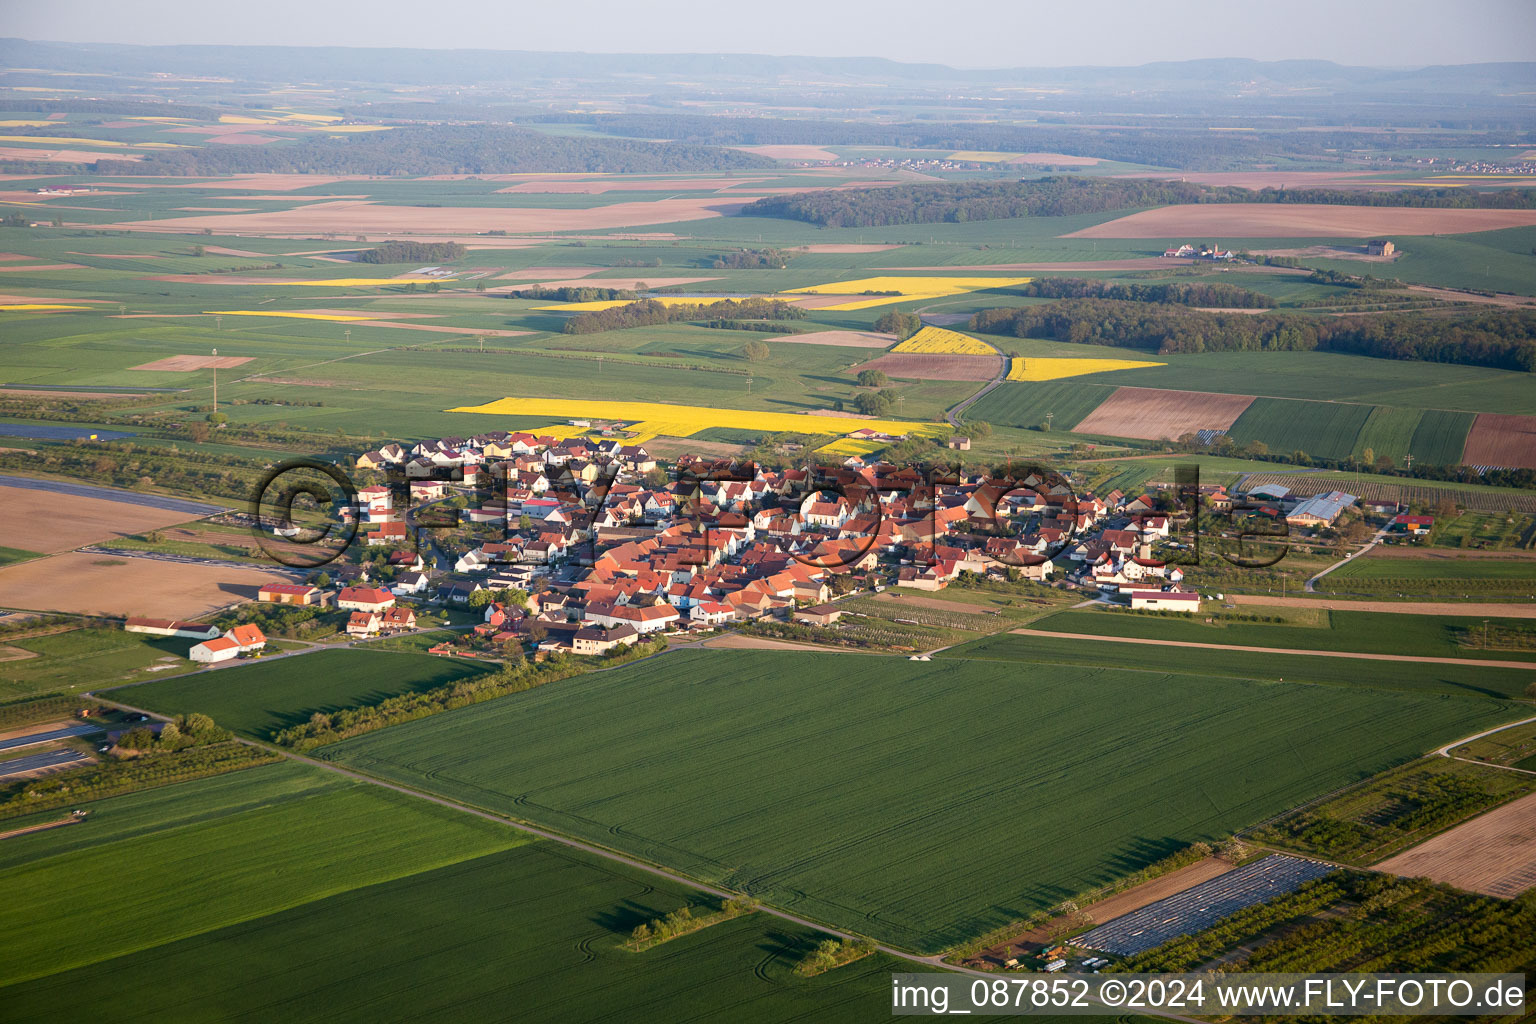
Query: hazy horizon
x=1369, y=33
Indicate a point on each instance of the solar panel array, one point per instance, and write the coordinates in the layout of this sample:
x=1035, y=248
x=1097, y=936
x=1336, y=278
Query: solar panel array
x=1198, y=908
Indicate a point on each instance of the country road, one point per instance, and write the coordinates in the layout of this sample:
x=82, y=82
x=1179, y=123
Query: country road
x=1312, y=589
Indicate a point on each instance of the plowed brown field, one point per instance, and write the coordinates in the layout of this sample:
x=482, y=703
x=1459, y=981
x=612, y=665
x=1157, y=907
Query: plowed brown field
x=1155, y=413
x=1501, y=440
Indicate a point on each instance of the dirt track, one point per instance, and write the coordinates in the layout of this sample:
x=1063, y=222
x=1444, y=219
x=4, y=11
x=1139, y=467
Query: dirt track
x=1486, y=609
x=1477, y=662
x=1493, y=854
x=1159, y=888
x=1302, y=220
x=737, y=642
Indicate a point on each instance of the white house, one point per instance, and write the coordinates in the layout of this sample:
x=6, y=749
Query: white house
x=211, y=652
x=1164, y=601
x=409, y=583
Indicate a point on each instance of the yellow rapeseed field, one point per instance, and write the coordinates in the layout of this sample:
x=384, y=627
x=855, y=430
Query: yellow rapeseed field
x=29, y=124
x=277, y=312
x=36, y=307
x=58, y=140
x=343, y=282
x=846, y=446
x=905, y=288
x=685, y=420
x=1043, y=368
x=950, y=343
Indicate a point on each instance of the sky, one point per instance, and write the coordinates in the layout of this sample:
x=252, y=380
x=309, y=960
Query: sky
x=961, y=33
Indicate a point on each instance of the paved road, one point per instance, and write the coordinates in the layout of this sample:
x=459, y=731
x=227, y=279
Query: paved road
x=191, y=508
x=1469, y=662
x=33, y=739
x=35, y=762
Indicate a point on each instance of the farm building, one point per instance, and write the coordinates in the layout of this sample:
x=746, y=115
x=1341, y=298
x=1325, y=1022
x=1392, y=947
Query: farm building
x=291, y=593
x=1164, y=601
x=820, y=615
x=211, y=652
x=1379, y=247
x=1415, y=525
x=1320, y=509
x=171, y=627
x=365, y=599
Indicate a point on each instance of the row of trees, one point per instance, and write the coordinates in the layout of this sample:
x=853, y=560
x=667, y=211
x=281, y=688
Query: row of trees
x=750, y=259
x=577, y=294
x=1183, y=293
x=1189, y=145
x=516, y=676
x=413, y=252
x=1500, y=338
x=903, y=325
x=437, y=149
x=649, y=312
x=1064, y=195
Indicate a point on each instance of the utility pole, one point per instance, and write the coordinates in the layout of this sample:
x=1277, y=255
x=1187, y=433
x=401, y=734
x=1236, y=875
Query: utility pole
x=599, y=359
x=749, y=385
x=347, y=333
x=900, y=404
x=1048, y=417
x=215, y=383
x=1485, y=634
x=218, y=323
x=1409, y=460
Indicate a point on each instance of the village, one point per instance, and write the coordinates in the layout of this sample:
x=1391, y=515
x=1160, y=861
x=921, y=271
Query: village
x=582, y=545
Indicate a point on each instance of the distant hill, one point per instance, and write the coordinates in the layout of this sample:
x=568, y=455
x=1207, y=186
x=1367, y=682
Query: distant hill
x=1213, y=79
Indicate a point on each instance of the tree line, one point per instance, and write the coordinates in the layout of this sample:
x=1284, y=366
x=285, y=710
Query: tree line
x=438, y=149
x=1504, y=339
x=1199, y=293
x=569, y=294
x=1187, y=147
x=649, y=312
x=1067, y=195
x=413, y=252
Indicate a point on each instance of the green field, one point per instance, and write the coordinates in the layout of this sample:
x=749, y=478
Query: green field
x=259, y=699
x=1326, y=429
x=256, y=842
x=1408, y=677
x=1429, y=636
x=83, y=658
x=1513, y=577
x=918, y=803
x=1024, y=404
x=286, y=893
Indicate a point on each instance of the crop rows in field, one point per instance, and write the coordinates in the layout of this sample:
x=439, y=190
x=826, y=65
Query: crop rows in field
x=291, y=894
x=920, y=803
x=1326, y=429
x=1018, y=404
x=925, y=616
x=1316, y=483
